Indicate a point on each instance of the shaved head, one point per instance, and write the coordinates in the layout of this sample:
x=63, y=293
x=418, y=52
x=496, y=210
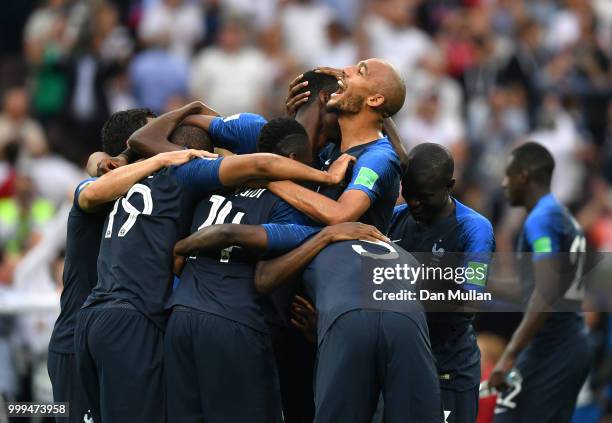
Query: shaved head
x=388, y=82
x=372, y=83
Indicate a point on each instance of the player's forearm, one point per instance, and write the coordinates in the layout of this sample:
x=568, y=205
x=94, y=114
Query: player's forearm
x=392, y=132
x=92, y=162
x=237, y=170
x=117, y=182
x=201, y=121
x=281, y=168
x=270, y=274
x=152, y=138
x=533, y=319
x=313, y=204
x=215, y=237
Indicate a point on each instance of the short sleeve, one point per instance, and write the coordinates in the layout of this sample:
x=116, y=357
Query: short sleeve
x=478, y=247
x=282, y=238
x=541, y=237
x=375, y=173
x=237, y=133
x=77, y=192
x=200, y=176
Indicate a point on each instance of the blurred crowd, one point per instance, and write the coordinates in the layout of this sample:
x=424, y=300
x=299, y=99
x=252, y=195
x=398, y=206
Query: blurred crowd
x=482, y=76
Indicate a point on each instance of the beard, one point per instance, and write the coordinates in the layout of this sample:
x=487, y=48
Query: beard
x=346, y=104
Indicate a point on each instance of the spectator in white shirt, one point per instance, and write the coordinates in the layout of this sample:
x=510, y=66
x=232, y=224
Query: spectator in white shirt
x=176, y=23
x=342, y=49
x=231, y=76
x=304, y=25
x=430, y=124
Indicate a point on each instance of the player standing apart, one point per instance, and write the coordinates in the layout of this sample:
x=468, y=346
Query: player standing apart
x=549, y=349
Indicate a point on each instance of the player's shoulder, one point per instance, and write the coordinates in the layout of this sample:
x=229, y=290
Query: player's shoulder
x=471, y=222
x=380, y=154
x=547, y=213
x=382, y=147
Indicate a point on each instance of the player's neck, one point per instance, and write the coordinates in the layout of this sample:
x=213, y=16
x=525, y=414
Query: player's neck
x=308, y=117
x=358, y=129
x=534, y=194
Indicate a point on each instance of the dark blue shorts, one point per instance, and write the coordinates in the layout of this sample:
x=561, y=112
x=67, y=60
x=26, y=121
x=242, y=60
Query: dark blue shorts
x=119, y=354
x=218, y=370
x=460, y=407
x=366, y=353
x=551, y=380
x=67, y=386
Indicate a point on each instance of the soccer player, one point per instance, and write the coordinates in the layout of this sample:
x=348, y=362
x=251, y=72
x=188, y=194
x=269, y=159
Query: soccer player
x=434, y=222
x=84, y=233
x=219, y=362
x=549, y=349
x=367, y=93
x=353, y=365
x=363, y=351
x=118, y=336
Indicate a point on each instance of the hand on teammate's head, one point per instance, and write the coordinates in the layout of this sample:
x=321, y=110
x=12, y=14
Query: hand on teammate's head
x=294, y=98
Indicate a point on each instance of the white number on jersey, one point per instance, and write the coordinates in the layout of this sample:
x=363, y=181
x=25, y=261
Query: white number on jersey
x=217, y=216
x=132, y=211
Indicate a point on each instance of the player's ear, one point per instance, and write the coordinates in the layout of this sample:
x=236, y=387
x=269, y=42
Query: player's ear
x=375, y=101
x=293, y=156
x=524, y=175
x=324, y=97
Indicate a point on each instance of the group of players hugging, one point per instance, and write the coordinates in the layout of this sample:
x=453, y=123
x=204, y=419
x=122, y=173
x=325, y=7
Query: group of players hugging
x=228, y=288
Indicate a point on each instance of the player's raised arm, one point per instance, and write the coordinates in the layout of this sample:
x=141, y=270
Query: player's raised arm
x=117, y=182
x=237, y=133
x=237, y=170
x=152, y=138
x=270, y=274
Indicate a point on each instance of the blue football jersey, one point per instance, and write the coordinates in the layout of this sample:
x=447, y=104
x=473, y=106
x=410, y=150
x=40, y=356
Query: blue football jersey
x=550, y=229
x=337, y=289
x=453, y=339
x=237, y=133
x=135, y=261
x=377, y=173
x=84, y=232
x=222, y=282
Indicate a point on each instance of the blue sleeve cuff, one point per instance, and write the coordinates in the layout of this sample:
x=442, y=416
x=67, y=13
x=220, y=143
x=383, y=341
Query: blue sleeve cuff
x=78, y=190
x=213, y=128
x=200, y=175
x=371, y=194
x=282, y=238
